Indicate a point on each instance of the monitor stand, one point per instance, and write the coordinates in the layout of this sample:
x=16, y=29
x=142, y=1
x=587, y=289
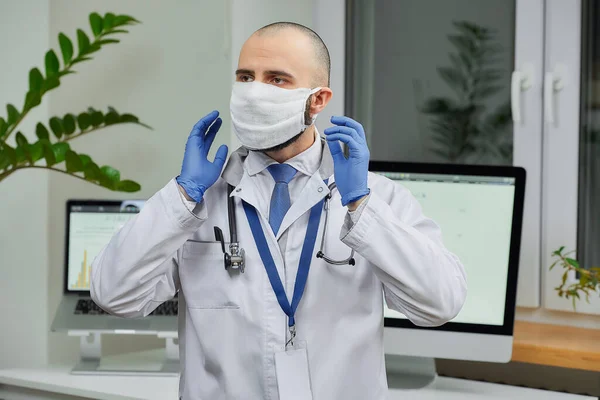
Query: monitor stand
x=91, y=357
x=404, y=372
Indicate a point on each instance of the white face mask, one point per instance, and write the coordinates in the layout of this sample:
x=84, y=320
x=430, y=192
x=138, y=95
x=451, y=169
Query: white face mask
x=265, y=116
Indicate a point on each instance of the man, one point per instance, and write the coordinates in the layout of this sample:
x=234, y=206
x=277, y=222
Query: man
x=275, y=331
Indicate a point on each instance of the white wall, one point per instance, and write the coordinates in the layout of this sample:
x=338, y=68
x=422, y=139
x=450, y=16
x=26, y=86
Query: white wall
x=169, y=71
x=23, y=196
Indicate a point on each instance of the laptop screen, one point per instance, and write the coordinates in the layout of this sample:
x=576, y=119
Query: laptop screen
x=475, y=214
x=91, y=225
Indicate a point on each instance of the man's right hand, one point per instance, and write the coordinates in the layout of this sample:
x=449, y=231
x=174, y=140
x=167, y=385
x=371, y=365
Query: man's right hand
x=197, y=173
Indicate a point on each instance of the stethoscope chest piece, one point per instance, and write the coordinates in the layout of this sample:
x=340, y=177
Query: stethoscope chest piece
x=235, y=259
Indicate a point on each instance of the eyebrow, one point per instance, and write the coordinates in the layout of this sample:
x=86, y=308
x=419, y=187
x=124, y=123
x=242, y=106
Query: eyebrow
x=270, y=72
x=280, y=73
x=244, y=71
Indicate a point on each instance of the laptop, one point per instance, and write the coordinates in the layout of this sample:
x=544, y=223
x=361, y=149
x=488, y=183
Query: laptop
x=90, y=224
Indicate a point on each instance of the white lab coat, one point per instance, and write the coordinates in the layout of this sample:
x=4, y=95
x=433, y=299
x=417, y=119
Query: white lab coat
x=231, y=324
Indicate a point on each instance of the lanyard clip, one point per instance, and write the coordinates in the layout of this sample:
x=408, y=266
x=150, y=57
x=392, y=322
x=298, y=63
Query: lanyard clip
x=292, y=336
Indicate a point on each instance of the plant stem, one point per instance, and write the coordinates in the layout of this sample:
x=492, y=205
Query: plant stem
x=12, y=129
x=82, y=133
x=7, y=173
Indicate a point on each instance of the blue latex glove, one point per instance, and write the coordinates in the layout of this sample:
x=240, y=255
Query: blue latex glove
x=350, y=173
x=197, y=173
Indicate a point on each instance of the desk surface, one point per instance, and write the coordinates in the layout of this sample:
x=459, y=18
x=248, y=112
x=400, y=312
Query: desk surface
x=57, y=379
x=559, y=346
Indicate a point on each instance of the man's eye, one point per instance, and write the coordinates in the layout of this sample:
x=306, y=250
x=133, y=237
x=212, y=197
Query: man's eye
x=246, y=78
x=279, y=81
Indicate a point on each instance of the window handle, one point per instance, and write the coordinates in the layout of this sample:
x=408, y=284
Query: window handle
x=521, y=80
x=554, y=82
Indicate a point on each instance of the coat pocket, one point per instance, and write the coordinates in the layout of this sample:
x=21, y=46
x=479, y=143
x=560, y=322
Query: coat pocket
x=204, y=280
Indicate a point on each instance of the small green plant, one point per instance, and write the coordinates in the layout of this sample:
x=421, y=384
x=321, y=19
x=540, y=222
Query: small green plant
x=53, y=152
x=463, y=129
x=585, y=285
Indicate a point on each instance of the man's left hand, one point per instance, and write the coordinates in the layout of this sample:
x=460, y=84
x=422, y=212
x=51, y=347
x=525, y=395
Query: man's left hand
x=350, y=173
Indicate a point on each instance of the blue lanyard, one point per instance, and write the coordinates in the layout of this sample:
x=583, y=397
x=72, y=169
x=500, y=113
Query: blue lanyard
x=305, y=258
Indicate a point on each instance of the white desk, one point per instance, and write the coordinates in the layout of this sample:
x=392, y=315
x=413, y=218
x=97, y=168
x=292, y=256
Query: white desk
x=55, y=382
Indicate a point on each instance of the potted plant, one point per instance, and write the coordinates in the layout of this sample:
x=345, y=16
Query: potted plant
x=585, y=285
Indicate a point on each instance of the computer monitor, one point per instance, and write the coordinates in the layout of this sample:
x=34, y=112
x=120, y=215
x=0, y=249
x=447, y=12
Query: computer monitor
x=479, y=210
x=90, y=226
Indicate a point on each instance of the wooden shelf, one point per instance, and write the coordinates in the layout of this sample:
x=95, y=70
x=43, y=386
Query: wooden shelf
x=558, y=346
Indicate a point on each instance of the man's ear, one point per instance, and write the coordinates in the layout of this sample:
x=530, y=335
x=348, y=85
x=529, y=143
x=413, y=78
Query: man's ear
x=320, y=100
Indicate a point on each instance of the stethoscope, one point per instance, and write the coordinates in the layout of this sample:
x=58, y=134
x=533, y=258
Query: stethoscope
x=236, y=257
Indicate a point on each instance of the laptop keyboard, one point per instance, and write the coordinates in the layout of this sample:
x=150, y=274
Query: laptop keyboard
x=88, y=307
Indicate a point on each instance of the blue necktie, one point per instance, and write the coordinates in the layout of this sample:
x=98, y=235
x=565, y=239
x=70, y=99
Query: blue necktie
x=280, y=199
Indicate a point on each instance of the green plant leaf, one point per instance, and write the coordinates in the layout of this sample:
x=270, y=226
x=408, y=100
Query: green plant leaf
x=83, y=42
x=92, y=172
x=52, y=65
x=13, y=114
x=33, y=98
x=96, y=118
x=81, y=59
x=109, y=20
x=41, y=132
x=128, y=186
x=50, y=83
x=72, y=161
x=84, y=121
x=583, y=279
x=69, y=124
x=129, y=118
x=554, y=264
x=21, y=140
x=35, y=79
x=94, y=48
x=564, y=277
x=116, y=31
x=572, y=262
x=124, y=20
x=3, y=127
x=66, y=47
x=4, y=159
x=85, y=159
x=111, y=117
x=36, y=151
x=57, y=127
x=107, y=41
x=48, y=152
x=60, y=150
x=112, y=174
x=96, y=23
x=65, y=72
x=9, y=156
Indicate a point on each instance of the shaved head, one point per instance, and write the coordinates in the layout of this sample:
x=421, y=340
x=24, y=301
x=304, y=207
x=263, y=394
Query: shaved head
x=320, y=51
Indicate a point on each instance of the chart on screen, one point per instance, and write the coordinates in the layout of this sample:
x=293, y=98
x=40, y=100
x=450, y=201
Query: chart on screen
x=89, y=233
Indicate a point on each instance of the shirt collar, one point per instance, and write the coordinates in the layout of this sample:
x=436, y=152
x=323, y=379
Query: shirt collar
x=307, y=162
x=235, y=168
